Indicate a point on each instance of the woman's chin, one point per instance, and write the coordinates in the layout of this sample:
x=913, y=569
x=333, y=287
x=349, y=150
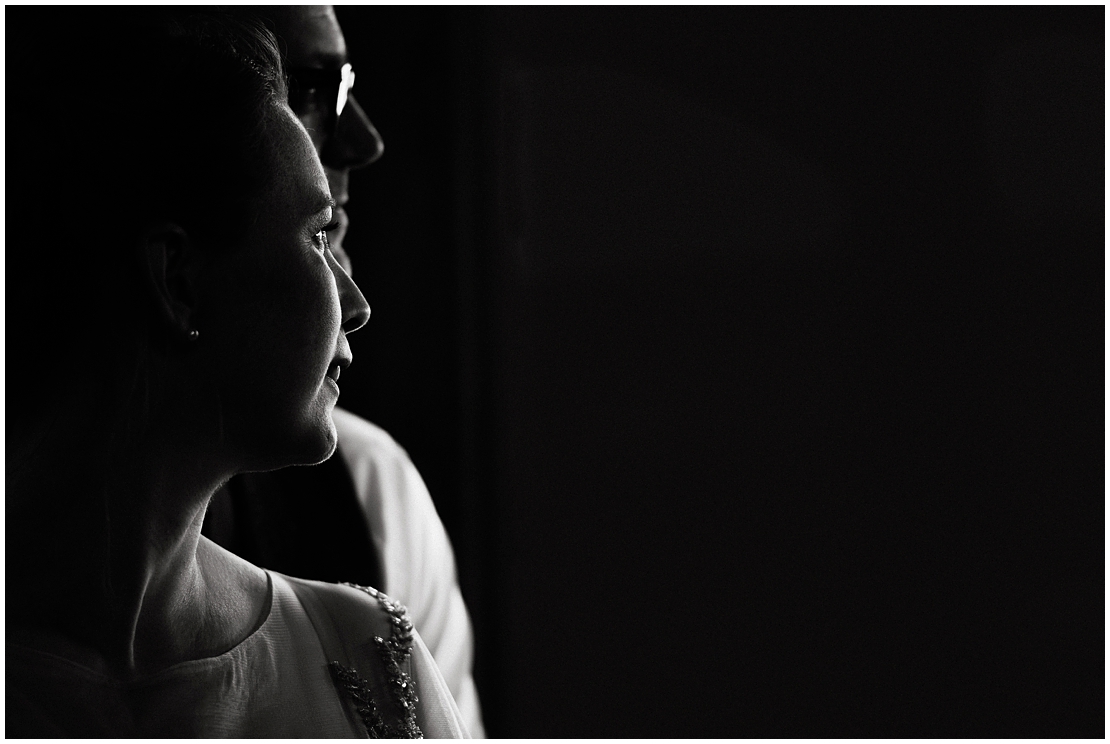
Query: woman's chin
x=320, y=446
x=311, y=445
x=324, y=454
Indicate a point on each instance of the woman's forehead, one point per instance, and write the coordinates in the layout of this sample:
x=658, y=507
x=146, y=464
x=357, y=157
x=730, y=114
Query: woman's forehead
x=298, y=179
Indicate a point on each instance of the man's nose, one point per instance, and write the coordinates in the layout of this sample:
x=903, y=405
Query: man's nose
x=355, y=143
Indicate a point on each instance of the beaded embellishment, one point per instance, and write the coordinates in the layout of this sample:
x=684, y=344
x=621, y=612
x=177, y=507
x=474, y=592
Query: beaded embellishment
x=395, y=652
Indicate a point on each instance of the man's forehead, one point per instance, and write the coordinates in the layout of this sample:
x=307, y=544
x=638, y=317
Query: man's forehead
x=312, y=35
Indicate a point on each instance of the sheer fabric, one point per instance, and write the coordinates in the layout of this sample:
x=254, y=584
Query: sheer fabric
x=275, y=683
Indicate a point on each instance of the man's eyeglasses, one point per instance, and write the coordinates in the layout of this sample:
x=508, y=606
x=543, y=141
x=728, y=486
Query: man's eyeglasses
x=313, y=88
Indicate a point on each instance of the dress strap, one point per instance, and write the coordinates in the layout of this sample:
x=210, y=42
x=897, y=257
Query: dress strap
x=321, y=619
x=325, y=628
x=381, y=689
x=395, y=653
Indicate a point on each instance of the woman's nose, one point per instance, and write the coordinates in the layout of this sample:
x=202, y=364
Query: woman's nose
x=355, y=310
x=355, y=143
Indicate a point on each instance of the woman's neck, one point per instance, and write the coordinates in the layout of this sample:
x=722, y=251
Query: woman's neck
x=117, y=564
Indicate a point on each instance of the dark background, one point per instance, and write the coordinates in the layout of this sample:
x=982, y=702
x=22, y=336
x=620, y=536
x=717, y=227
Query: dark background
x=753, y=357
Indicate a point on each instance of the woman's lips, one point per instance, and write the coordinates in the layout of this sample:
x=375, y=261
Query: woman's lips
x=332, y=378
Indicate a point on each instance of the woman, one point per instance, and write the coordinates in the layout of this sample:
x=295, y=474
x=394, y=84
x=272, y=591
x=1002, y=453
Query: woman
x=203, y=320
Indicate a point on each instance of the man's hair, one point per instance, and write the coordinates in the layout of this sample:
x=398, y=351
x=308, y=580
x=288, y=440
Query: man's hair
x=125, y=117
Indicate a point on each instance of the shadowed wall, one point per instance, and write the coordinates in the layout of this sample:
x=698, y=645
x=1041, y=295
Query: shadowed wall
x=753, y=358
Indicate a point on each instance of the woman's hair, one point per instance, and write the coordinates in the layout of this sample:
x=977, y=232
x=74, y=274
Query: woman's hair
x=117, y=119
x=217, y=76
x=169, y=109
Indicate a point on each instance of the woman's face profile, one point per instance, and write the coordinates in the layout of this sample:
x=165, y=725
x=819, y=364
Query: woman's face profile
x=279, y=311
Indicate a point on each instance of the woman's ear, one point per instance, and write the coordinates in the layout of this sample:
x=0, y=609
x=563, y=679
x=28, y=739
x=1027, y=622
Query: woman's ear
x=171, y=262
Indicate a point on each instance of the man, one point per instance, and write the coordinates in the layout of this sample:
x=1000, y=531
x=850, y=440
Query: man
x=364, y=516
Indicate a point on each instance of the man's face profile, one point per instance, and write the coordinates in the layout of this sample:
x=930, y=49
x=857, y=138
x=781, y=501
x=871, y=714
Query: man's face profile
x=316, y=49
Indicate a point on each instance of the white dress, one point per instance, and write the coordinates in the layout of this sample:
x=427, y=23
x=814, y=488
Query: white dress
x=328, y=661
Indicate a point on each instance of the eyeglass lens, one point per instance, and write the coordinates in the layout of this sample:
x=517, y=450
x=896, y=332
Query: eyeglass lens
x=347, y=81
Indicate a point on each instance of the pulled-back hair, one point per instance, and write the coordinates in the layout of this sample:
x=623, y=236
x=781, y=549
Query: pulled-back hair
x=194, y=98
x=223, y=74
x=119, y=118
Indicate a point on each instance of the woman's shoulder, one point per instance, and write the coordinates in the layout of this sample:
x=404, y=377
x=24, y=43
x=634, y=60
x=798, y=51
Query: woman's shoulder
x=357, y=612
x=368, y=639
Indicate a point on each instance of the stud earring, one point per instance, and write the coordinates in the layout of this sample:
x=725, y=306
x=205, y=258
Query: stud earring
x=194, y=334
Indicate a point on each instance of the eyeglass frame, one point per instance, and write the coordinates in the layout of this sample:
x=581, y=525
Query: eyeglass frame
x=318, y=78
